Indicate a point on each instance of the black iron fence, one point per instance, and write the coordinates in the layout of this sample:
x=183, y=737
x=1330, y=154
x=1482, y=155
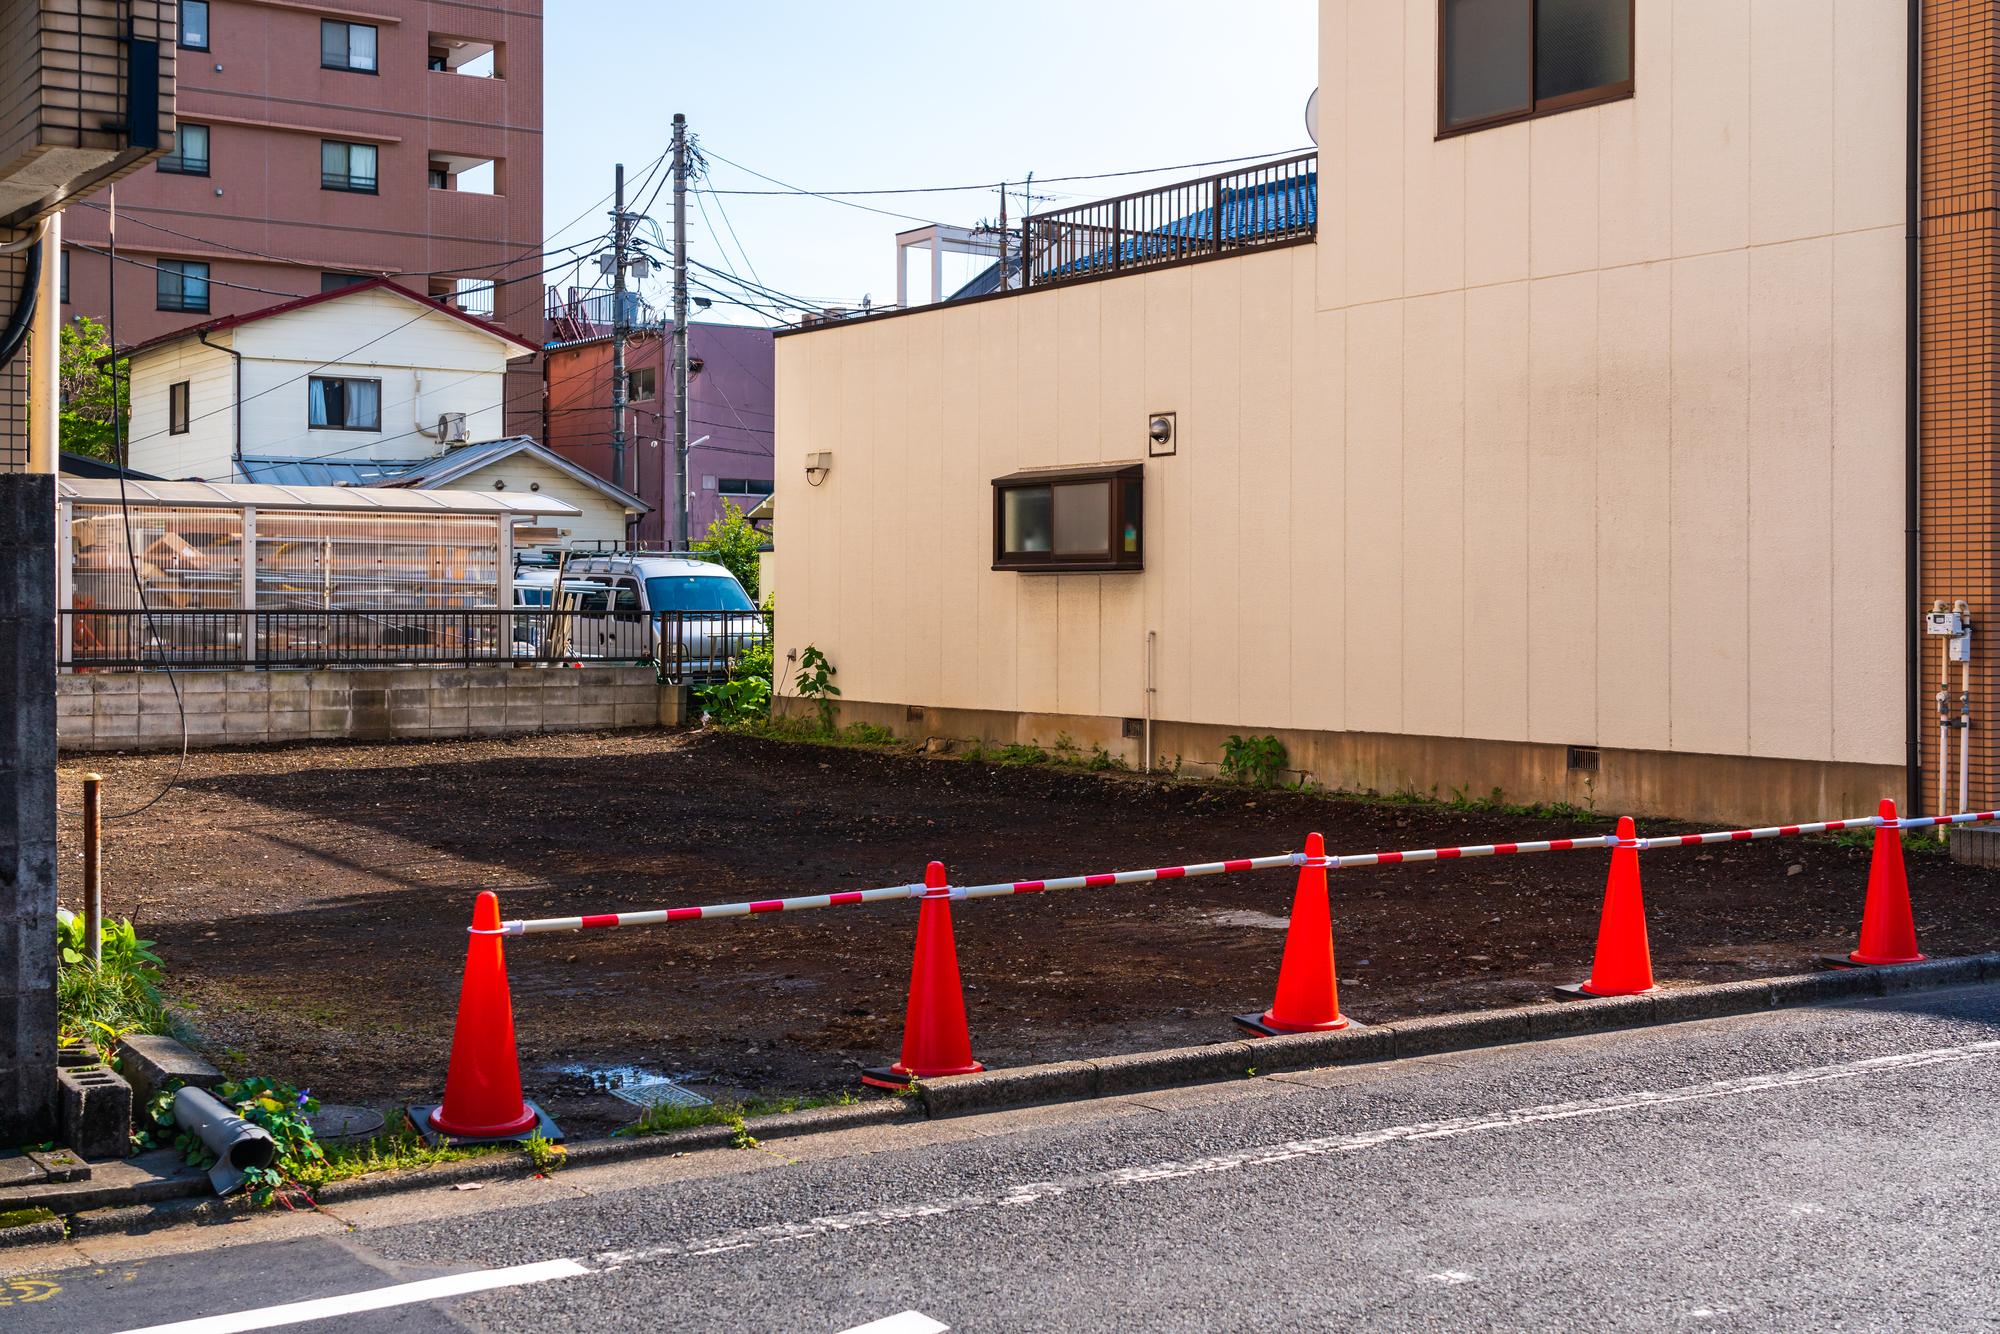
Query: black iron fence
x=693, y=647
x=1271, y=204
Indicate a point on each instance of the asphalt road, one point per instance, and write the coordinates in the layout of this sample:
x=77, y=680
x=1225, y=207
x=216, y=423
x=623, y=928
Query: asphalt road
x=1831, y=1168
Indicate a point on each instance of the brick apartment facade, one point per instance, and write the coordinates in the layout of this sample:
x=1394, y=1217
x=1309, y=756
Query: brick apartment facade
x=316, y=167
x=1960, y=378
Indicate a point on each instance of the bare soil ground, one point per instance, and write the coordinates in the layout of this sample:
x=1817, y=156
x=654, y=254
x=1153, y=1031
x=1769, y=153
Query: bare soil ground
x=311, y=905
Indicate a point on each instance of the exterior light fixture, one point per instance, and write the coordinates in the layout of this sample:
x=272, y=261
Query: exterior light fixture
x=817, y=466
x=1162, y=437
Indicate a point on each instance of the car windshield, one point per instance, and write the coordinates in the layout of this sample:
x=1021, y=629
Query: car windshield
x=696, y=592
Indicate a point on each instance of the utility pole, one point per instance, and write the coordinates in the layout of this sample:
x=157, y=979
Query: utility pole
x=680, y=332
x=621, y=328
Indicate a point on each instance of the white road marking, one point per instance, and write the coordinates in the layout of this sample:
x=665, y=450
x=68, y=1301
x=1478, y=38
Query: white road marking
x=1450, y=1277
x=1031, y=1192
x=375, y=1299
x=907, y=1322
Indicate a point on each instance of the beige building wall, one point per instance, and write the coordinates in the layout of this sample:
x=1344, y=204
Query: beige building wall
x=1585, y=431
x=602, y=517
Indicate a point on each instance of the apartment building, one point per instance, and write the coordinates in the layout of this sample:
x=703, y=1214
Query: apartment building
x=317, y=146
x=1585, y=420
x=730, y=380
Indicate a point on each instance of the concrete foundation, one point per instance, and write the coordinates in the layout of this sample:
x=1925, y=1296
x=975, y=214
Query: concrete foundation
x=1724, y=789
x=138, y=711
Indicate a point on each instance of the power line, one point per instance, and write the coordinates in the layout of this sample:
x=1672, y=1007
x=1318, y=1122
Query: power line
x=986, y=185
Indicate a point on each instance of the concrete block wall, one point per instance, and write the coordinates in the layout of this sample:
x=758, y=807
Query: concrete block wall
x=137, y=710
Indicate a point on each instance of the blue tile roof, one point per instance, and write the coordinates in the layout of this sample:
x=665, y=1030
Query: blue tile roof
x=324, y=472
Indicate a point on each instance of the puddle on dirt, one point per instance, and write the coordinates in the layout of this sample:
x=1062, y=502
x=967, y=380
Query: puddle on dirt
x=1263, y=921
x=634, y=1084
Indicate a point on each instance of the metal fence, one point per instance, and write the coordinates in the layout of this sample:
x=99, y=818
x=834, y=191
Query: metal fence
x=1271, y=204
x=688, y=647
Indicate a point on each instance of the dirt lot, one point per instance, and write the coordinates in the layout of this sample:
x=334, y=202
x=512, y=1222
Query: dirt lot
x=311, y=904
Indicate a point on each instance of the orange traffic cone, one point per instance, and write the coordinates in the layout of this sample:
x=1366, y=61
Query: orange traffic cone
x=1888, y=932
x=1624, y=965
x=935, y=1038
x=1308, y=998
x=482, y=1088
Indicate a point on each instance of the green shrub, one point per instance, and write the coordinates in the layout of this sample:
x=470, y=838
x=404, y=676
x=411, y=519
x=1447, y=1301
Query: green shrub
x=1257, y=759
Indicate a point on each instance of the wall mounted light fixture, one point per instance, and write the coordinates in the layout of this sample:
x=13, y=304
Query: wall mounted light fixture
x=817, y=466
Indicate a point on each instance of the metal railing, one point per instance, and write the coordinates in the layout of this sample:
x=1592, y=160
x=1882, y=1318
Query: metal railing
x=688, y=647
x=1271, y=204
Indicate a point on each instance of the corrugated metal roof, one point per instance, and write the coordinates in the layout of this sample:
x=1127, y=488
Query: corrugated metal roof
x=325, y=472
x=231, y=495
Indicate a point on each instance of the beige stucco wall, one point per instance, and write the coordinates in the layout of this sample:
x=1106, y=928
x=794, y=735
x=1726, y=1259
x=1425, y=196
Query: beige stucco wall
x=602, y=518
x=1581, y=431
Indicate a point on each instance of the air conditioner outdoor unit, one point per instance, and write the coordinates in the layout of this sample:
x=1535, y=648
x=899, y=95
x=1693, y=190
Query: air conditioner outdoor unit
x=451, y=428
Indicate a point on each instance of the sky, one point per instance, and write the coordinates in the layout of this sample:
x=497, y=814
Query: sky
x=858, y=96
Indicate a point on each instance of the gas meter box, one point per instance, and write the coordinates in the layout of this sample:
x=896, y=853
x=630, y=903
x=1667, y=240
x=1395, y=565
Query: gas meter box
x=1943, y=623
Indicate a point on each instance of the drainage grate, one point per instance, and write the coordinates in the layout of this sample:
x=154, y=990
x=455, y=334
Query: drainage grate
x=652, y=1092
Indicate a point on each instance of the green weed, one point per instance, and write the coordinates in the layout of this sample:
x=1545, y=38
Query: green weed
x=1255, y=760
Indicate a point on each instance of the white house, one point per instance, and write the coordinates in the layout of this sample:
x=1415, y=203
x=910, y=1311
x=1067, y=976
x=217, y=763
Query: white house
x=370, y=374
x=516, y=466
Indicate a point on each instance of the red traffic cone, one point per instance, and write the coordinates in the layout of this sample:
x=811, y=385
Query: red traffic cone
x=935, y=1038
x=1308, y=999
x=1624, y=964
x=482, y=1088
x=1888, y=932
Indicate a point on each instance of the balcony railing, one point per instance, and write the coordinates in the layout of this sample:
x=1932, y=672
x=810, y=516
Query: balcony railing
x=1271, y=204
x=692, y=647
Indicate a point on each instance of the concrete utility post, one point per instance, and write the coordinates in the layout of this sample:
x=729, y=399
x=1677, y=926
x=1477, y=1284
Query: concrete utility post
x=621, y=328
x=680, y=333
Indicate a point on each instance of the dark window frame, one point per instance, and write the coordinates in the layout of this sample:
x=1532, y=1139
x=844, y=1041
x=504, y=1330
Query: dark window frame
x=63, y=280
x=327, y=179
x=179, y=268
x=179, y=416
x=1127, y=501
x=344, y=381
x=1539, y=106
x=178, y=159
x=344, y=67
x=632, y=379
x=180, y=26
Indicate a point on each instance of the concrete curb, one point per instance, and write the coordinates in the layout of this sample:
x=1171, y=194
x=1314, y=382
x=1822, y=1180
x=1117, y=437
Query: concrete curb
x=503, y=1166
x=1139, y=1072
x=32, y=1234
x=957, y=1095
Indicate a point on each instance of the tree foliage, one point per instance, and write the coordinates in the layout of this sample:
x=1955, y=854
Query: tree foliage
x=95, y=407
x=734, y=542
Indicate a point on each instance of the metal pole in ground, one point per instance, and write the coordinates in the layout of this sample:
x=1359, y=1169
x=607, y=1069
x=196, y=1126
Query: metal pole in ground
x=93, y=880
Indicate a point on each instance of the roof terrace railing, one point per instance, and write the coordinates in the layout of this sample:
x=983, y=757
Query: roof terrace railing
x=1271, y=204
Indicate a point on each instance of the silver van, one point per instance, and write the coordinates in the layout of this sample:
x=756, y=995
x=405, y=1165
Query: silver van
x=699, y=617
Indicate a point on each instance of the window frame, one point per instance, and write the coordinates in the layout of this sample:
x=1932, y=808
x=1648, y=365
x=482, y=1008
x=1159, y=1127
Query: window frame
x=1124, y=479
x=375, y=181
x=179, y=413
x=180, y=26
x=349, y=68
x=1540, y=106
x=632, y=394
x=344, y=381
x=179, y=268
x=178, y=159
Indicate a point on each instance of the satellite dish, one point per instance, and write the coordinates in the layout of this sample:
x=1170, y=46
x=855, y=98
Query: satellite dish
x=1312, y=117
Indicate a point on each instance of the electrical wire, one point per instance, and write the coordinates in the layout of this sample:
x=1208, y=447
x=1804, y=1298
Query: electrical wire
x=992, y=185
x=125, y=519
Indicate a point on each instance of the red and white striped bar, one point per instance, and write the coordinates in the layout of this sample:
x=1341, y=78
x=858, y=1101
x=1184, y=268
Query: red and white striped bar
x=657, y=916
x=896, y=892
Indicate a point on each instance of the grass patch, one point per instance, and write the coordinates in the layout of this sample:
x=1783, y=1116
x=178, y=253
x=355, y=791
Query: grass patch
x=393, y=1152
x=663, y=1118
x=25, y=1217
